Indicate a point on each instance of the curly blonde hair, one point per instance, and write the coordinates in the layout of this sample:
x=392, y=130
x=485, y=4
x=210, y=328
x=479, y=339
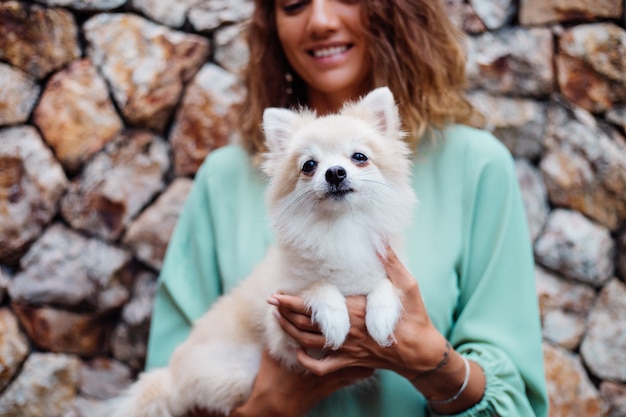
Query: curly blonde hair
x=415, y=49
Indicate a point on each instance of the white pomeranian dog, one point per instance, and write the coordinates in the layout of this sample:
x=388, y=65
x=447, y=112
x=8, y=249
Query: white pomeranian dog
x=339, y=190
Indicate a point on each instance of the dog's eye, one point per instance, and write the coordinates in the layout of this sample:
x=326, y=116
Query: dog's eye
x=359, y=157
x=309, y=166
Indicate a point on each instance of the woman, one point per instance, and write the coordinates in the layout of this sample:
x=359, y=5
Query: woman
x=469, y=342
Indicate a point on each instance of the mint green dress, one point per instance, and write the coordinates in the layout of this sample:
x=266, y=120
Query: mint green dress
x=469, y=250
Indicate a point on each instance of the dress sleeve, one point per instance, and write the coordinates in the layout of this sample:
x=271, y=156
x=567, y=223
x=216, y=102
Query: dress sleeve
x=189, y=279
x=497, y=321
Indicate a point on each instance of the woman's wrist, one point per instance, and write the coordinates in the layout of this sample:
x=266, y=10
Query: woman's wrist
x=461, y=390
x=452, y=384
x=470, y=396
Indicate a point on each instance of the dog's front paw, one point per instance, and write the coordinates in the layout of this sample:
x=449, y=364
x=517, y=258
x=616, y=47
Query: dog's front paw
x=334, y=324
x=382, y=313
x=330, y=313
x=380, y=323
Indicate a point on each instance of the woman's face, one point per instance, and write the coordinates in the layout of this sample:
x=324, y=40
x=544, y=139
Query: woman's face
x=325, y=43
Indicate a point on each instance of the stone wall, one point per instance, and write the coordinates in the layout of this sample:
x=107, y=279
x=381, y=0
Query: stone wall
x=107, y=108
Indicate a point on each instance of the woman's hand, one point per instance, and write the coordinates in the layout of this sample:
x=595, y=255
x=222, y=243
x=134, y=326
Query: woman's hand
x=418, y=348
x=421, y=353
x=278, y=391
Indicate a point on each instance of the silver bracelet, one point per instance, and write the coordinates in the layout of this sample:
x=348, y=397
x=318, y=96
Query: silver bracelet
x=458, y=394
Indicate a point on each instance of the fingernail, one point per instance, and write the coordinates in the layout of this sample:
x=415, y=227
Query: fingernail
x=277, y=315
x=273, y=301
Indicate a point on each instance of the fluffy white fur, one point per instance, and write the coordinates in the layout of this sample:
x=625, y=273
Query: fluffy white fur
x=328, y=235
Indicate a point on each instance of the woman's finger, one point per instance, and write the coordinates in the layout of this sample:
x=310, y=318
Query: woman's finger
x=293, y=309
x=291, y=302
x=398, y=274
x=310, y=340
x=301, y=321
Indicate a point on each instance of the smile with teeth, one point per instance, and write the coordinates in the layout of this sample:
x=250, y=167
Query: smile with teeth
x=326, y=52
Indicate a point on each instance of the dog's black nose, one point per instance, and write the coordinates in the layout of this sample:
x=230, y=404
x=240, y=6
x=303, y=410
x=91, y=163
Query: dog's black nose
x=334, y=175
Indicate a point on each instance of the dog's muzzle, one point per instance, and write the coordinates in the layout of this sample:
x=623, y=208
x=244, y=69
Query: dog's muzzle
x=338, y=185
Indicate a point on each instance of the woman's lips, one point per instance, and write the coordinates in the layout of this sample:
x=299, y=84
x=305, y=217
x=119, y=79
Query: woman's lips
x=329, y=51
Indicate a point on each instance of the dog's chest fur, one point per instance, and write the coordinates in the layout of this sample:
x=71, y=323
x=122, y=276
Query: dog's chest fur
x=347, y=261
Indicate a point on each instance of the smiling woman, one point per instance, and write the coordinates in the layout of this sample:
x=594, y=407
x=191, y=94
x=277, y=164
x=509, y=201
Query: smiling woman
x=468, y=341
x=410, y=46
x=326, y=46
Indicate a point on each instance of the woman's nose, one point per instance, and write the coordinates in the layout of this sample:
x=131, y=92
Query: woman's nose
x=323, y=17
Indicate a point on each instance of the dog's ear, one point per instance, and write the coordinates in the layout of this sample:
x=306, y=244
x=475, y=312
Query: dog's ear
x=379, y=104
x=278, y=125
